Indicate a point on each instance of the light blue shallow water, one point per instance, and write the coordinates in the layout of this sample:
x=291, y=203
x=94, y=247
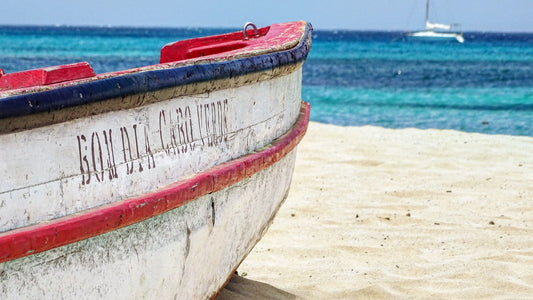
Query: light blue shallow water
x=376, y=78
x=350, y=78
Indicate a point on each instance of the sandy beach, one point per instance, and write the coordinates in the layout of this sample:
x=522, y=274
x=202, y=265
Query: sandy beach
x=385, y=213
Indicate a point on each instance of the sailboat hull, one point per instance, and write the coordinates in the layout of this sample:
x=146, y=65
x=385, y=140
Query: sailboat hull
x=437, y=36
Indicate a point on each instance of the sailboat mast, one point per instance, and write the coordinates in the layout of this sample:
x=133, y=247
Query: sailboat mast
x=427, y=11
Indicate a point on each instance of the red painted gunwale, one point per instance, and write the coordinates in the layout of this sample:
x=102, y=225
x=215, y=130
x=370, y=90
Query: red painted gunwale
x=41, y=237
x=222, y=47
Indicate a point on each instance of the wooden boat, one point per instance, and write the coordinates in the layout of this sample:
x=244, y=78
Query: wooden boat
x=153, y=182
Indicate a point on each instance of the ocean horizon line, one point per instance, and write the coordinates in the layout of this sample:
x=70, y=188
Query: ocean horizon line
x=316, y=29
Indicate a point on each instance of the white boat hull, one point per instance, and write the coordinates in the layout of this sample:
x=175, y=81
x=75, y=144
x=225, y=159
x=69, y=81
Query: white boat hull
x=122, y=154
x=186, y=253
x=437, y=36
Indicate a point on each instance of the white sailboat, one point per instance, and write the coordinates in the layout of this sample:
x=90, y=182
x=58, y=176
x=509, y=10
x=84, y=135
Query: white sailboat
x=436, y=31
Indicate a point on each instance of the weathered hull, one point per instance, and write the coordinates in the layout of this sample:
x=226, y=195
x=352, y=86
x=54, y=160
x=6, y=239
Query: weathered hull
x=69, y=167
x=185, y=253
x=154, y=183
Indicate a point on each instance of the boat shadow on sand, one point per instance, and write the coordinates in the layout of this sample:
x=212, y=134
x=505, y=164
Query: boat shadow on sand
x=241, y=288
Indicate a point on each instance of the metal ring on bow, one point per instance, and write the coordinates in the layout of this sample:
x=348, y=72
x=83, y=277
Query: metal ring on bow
x=246, y=26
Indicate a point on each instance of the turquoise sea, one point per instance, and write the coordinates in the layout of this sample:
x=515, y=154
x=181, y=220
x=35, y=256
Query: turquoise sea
x=351, y=78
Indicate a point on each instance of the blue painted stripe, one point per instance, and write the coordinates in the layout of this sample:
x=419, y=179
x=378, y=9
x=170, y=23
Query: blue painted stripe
x=148, y=81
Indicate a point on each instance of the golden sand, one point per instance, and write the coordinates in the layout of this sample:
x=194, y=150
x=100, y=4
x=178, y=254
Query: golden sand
x=385, y=213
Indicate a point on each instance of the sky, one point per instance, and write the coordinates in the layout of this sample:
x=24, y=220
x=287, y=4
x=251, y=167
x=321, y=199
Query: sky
x=395, y=15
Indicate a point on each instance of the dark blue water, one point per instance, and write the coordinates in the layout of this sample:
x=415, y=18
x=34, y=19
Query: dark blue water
x=351, y=78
